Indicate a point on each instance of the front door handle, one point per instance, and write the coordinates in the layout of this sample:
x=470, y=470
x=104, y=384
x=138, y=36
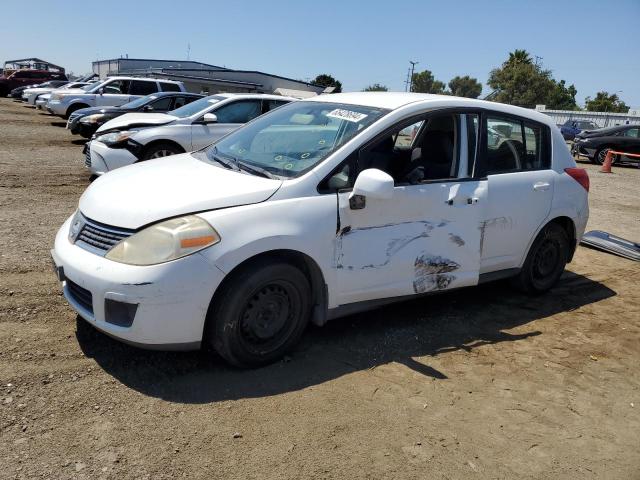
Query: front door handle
x=541, y=186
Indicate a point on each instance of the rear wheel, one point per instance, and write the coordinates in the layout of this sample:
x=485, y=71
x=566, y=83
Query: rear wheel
x=260, y=313
x=160, y=150
x=545, y=262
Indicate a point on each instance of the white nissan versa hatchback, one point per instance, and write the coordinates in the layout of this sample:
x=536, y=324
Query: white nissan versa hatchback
x=320, y=208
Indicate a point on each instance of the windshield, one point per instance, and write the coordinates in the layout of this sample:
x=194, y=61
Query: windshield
x=139, y=102
x=195, y=107
x=294, y=138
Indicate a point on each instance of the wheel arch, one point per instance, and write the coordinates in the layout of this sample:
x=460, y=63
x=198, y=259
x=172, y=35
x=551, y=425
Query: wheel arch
x=75, y=106
x=159, y=141
x=307, y=265
x=567, y=224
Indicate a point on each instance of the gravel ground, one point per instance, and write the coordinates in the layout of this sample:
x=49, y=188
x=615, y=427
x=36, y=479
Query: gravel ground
x=479, y=383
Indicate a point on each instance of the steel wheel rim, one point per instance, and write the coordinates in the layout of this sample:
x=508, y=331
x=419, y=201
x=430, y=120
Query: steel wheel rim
x=268, y=318
x=545, y=260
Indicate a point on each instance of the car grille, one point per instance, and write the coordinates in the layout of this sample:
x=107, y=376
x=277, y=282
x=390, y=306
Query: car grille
x=80, y=295
x=87, y=156
x=99, y=238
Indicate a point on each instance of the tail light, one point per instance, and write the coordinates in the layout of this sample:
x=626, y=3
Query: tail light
x=580, y=175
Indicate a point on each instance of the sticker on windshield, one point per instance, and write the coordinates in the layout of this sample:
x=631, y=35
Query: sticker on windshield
x=348, y=115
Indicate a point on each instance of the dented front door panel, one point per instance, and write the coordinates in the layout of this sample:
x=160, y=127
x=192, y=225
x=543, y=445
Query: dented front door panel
x=426, y=238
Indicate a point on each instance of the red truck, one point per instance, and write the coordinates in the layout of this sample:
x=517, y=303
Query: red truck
x=27, y=76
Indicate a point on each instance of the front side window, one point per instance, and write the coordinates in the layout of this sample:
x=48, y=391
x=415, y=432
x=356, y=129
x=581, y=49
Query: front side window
x=139, y=87
x=294, y=138
x=239, y=112
x=162, y=105
x=196, y=107
x=632, y=132
x=116, y=87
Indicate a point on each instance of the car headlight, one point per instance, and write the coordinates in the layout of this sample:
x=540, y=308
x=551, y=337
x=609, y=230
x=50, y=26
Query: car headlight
x=55, y=97
x=165, y=241
x=114, y=139
x=95, y=118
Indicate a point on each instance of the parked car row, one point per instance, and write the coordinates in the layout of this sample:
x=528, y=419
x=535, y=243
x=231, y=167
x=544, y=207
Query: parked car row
x=312, y=210
x=595, y=144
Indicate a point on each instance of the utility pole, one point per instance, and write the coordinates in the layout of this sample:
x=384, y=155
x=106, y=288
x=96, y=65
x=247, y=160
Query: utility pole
x=188, y=51
x=409, y=81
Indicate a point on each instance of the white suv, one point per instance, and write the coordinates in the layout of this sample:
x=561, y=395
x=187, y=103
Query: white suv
x=322, y=207
x=142, y=136
x=113, y=92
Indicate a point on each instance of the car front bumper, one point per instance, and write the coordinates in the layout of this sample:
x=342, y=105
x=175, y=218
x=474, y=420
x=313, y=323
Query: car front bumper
x=578, y=148
x=57, y=108
x=104, y=158
x=170, y=300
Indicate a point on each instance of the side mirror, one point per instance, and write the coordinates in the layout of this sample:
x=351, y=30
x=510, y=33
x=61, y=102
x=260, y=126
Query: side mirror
x=101, y=91
x=209, y=118
x=371, y=183
x=147, y=108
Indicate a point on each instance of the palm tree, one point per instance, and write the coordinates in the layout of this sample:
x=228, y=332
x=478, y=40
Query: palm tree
x=519, y=56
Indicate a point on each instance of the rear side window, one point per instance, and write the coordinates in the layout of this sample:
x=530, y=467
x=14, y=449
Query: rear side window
x=162, y=105
x=515, y=145
x=139, y=87
x=169, y=87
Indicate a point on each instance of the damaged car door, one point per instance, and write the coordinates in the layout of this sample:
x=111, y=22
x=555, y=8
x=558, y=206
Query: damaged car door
x=410, y=225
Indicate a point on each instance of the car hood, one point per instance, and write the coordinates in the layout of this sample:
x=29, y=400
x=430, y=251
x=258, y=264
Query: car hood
x=38, y=90
x=134, y=120
x=143, y=193
x=92, y=110
x=72, y=91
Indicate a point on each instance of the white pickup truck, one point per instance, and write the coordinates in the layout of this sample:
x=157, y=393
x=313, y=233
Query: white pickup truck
x=113, y=92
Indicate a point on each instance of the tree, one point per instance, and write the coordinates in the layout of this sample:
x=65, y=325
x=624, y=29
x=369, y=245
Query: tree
x=465, y=87
x=376, y=87
x=521, y=84
x=424, y=82
x=326, y=80
x=562, y=97
x=519, y=57
x=606, y=102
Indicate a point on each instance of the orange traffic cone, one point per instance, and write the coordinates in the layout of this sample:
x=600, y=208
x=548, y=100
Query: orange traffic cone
x=606, y=166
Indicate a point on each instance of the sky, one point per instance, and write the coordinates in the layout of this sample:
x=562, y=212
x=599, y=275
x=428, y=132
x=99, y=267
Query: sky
x=591, y=43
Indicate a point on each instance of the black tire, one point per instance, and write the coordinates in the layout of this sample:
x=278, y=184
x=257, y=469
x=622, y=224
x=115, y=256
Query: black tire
x=159, y=150
x=601, y=154
x=260, y=313
x=72, y=109
x=545, y=261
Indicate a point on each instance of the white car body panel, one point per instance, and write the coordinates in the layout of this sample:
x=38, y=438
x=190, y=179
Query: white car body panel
x=135, y=118
x=426, y=237
x=155, y=189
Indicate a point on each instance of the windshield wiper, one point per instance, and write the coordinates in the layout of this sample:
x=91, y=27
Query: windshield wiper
x=255, y=170
x=225, y=163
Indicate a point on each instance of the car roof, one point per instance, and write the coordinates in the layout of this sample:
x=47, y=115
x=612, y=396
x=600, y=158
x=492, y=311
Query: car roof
x=396, y=100
x=253, y=95
x=151, y=79
x=176, y=94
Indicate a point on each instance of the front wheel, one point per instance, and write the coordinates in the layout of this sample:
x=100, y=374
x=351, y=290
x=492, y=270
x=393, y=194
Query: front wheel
x=545, y=262
x=601, y=155
x=160, y=150
x=260, y=313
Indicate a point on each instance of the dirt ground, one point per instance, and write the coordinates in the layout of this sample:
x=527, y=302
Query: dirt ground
x=479, y=383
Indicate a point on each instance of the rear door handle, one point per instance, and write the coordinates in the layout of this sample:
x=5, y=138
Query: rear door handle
x=541, y=186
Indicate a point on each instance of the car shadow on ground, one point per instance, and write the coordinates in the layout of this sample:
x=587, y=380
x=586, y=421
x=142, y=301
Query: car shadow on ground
x=59, y=124
x=79, y=141
x=463, y=319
